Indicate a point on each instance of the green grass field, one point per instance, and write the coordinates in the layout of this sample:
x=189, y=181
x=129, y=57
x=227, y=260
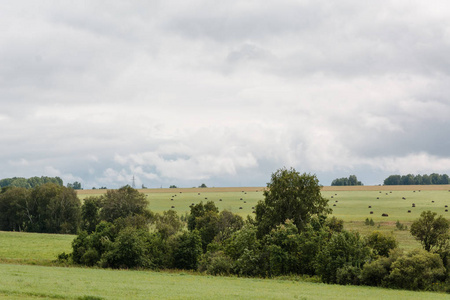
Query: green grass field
x=24, y=247
x=29, y=282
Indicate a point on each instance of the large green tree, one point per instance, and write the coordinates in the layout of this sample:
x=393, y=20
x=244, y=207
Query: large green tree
x=123, y=203
x=290, y=195
x=431, y=231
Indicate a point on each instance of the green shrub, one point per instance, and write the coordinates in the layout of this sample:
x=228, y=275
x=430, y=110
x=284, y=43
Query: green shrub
x=400, y=226
x=216, y=263
x=418, y=270
x=188, y=248
x=343, y=249
x=128, y=250
x=348, y=275
x=374, y=273
x=381, y=243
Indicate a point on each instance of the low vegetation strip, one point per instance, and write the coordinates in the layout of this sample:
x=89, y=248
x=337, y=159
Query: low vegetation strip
x=25, y=282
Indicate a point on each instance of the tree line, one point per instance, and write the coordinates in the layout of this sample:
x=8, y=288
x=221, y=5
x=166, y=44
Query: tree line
x=49, y=208
x=351, y=180
x=419, y=179
x=31, y=182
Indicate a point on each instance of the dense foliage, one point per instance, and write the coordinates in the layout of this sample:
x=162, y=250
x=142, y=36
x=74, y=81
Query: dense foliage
x=290, y=195
x=49, y=208
x=30, y=182
x=351, y=180
x=411, y=179
x=292, y=236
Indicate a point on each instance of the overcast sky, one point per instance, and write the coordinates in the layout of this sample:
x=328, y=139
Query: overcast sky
x=223, y=92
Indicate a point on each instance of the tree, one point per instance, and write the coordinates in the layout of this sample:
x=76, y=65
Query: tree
x=432, y=232
x=292, y=196
x=188, y=250
x=90, y=214
x=351, y=180
x=13, y=215
x=76, y=185
x=202, y=185
x=122, y=203
x=381, y=243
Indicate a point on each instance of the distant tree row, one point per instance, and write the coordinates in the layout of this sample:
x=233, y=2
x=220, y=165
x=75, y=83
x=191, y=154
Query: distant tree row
x=30, y=182
x=411, y=179
x=76, y=185
x=351, y=180
x=49, y=208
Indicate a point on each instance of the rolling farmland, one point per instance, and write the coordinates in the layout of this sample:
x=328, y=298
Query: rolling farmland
x=27, y=271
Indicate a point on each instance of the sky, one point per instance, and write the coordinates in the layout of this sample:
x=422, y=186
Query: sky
x=223, y=92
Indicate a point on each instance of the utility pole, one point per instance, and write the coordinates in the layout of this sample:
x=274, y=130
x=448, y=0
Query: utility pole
x=134, y=185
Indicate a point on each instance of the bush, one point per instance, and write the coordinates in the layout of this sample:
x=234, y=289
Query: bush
x=348, y=275
x=128, y=250
x=381, y=243
x=375, y=273
x=418, y=270
x=188, y=249
x=216, y=263
x=343, y=249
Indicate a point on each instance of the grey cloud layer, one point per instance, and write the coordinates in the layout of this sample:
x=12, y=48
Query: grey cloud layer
x=182, y=92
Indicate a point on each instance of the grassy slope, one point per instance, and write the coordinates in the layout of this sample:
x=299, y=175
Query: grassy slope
x=20, y=282
x=33, y=247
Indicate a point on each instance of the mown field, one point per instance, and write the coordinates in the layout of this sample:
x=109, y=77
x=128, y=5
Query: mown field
x=26, y=258
x=38, y=282
x=348, y=203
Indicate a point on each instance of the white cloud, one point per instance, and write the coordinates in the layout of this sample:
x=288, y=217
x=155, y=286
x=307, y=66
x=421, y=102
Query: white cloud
x=223, y=92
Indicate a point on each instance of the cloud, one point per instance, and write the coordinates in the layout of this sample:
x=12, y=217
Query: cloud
x=177, y=93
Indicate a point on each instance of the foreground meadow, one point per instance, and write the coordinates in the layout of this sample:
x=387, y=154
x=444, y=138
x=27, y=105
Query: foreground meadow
x=30, y=282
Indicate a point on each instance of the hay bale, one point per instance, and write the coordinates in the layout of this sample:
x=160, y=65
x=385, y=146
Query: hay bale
x=409, y=211
x=384, y=215
x=371, y=212
x=240, y=207
x=370, y=206
x=172, y=206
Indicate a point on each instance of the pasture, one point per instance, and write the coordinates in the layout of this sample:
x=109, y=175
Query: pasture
x=348, y=203
x=39, y=282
